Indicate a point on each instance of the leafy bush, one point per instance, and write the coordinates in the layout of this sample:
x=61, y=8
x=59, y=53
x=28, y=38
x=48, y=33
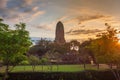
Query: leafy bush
x=24, y=62
x=43, y=60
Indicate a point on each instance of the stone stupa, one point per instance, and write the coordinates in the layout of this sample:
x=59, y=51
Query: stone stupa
x=59, y=35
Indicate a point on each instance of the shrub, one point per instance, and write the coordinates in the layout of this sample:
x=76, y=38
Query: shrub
x=24, y=62
x=84, y=75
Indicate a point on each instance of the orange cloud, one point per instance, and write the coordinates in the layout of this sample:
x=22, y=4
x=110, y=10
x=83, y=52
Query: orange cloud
x=36, y=14
x=83, y=31
x=3, y=3
x=35, y=8
x=28, y=2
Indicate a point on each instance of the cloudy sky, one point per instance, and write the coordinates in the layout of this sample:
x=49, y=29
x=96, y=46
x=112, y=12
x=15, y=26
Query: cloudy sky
x=82, y=19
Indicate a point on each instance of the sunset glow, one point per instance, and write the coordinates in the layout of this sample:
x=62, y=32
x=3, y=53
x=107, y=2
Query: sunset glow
x=59, y=39
x=87, y=17
x=118, y=38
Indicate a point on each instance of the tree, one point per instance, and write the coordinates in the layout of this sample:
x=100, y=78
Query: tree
x=105, y=46
x=41, y=48
x=13, y=45
x=34, y=60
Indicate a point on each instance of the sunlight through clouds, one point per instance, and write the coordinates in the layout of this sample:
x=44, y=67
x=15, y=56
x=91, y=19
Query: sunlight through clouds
x=79, y=15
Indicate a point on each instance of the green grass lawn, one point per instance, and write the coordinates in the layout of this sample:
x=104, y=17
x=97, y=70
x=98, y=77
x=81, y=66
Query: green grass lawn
x=54, y=68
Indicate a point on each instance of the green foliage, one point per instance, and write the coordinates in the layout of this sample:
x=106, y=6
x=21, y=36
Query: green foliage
x=25, y=62
x=44, y=60
x=34, y=60
x=14, y=43
x=41, y=48
x=105, y=47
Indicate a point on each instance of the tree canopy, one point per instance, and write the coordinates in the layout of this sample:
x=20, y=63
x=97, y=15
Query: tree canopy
x=105, y=47
x=14, y=43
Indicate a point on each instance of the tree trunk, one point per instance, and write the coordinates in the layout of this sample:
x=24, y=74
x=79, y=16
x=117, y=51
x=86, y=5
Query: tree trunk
x=24, y=67
x=33, y=67
x=57, y=67
x=98, y=66
x=42, y=67
x=51, y=67
x=110, y=66
x=84, y=66
x=117, y=66
x=6, y=73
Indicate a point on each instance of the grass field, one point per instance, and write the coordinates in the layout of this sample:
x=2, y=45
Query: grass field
x=55, y=68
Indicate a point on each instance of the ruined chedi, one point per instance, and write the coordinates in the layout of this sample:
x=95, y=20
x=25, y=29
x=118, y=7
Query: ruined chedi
x=59, y=35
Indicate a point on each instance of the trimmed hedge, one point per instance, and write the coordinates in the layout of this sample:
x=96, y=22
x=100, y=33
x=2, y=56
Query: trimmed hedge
x=1, y=76
x=85, y=75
